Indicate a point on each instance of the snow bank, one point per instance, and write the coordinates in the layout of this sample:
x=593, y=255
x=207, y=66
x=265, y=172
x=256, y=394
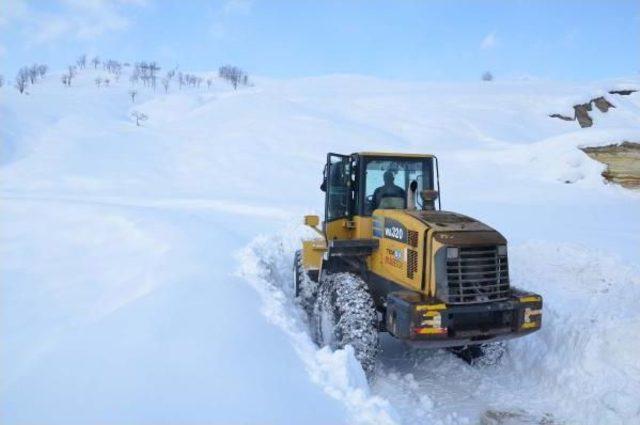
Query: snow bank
x=586, y=354
x=129, y=314
x=266, y=263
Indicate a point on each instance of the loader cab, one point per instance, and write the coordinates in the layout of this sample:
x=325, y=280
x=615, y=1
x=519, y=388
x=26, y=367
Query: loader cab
x=358, y=184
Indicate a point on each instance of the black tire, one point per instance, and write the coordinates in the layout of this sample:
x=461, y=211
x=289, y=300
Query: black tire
x=344, y=314
x=482, y=354
x=297, y=273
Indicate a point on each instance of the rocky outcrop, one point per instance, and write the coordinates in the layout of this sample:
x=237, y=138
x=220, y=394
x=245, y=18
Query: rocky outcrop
x=581, y=111
x=622, y=161
x=582, y=114
x=602, y=104
x=562, y=117
x=622, y=92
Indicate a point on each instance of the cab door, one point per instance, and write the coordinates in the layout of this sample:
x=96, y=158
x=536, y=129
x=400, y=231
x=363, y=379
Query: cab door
x=339, y=196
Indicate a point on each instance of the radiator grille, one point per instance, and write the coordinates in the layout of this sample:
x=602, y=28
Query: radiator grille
x=412, y=263
x=412, y=238
x=479, y=274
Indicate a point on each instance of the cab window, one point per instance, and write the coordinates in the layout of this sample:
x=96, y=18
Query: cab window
x=387, y=181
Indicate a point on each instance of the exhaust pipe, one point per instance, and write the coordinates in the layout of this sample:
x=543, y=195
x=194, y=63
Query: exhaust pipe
x=411, y=195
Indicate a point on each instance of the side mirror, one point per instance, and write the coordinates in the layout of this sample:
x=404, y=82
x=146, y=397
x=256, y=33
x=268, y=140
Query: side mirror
x=311, y=220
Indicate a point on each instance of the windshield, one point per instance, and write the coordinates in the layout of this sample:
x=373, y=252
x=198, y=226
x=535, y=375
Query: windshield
x=387, y=181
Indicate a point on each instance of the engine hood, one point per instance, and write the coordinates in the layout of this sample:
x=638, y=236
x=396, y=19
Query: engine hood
x=449, y=221
x=458, y=229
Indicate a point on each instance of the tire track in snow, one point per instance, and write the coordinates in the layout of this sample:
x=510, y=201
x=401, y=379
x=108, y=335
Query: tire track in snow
x=196, y=204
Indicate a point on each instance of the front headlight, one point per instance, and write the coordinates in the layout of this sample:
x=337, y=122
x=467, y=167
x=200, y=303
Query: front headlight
x=452, y=253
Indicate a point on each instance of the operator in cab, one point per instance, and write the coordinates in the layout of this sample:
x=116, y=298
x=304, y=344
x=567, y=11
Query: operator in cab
x=388, y=190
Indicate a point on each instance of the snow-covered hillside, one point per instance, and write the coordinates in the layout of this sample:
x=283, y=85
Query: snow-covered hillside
x=143, y=269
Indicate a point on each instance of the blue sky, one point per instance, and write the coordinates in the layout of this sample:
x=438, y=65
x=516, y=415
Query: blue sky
x=401, y=39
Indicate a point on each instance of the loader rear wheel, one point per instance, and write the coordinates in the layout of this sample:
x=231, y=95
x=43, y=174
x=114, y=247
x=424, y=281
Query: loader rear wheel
x=344, y=314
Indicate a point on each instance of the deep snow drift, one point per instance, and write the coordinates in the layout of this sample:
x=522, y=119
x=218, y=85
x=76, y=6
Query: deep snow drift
x=134, y=287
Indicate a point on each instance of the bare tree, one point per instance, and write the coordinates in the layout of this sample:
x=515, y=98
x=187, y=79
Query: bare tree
x=114, y=67
x=33, y=73
x=81, y=61
x=98, y=81
x=42, y=70
x=165, y=84
x=234, y=75
x=71, y=74
x=153, y=73
x=139, y=116
x=135, y=76
x=65, y=79
x=95, y=61
x=189, y=80
x=487, y=76
x=141, y=70
x=133, y=94
x=181, y=80
x=22, y=79
x=117, y=71
x=209, y=82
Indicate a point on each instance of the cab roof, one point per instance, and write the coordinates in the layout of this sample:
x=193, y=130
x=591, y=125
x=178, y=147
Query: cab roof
x=395, y=154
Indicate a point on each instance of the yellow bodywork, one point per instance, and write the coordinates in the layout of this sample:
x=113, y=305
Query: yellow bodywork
x=312, y=252
x=393, y=258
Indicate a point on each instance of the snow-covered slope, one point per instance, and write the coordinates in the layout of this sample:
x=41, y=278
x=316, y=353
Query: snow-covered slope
x=135, y=287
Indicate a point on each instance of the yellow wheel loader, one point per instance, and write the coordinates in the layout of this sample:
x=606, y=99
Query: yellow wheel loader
x=388, y=259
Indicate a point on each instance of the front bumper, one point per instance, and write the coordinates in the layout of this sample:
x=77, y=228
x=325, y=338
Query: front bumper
x=432, y=323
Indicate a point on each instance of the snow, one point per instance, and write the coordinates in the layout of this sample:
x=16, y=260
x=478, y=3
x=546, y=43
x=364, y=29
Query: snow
x=145, y=270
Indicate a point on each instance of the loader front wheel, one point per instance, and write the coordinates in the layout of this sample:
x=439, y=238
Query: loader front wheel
x=344, y=314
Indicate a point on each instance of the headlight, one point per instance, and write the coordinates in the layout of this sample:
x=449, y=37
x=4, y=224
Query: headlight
x=502, y=250
x=452, y=253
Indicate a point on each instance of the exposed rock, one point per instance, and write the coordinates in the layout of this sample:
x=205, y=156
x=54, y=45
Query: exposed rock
x=582, y=110
x=562, y=117
x=515, y=417
x=622, y=161
x=582, y=114
x=622, y=92
x=602, y=104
